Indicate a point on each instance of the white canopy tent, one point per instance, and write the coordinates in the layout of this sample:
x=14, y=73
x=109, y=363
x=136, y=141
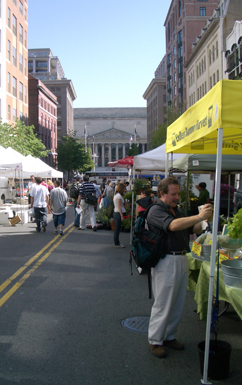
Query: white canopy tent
x=155, y=160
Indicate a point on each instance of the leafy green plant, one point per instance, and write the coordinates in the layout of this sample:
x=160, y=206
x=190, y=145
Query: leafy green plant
x=139, y=184
x=235, y=226
x=128, y=196
x=102, y=216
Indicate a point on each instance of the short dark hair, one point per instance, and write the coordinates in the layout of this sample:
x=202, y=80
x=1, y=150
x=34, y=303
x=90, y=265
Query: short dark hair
x=57, y=181
x=38, y=179
x=78, y=177
x=202, y=185
x=86, y=178
x=164, y=185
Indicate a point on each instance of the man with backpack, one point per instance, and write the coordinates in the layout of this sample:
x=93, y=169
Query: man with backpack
x=170, y=275
x=87, y=198
x=74, y=193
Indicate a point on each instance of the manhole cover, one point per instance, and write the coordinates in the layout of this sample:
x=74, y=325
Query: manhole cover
x=136, y=324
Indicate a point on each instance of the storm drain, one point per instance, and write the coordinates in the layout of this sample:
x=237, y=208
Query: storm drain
x=136, y=324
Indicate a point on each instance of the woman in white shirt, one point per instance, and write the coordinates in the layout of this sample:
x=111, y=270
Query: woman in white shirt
x=118, y=213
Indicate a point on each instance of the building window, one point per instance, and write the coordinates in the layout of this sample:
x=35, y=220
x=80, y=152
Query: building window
x=213, y=53
x=9, y=112
x=9, y=18
x=175, y=90
x=211, y=84
x=9, y=82
x=14, y=86
x=210, y=57
x=179, y=8
x=14, y=26
x=202, y=11
x=9, y=50
x=25, y=67
x=21, y=62
x=214, y=81
x=120, y=151
x=179, y=37
x=175, y=63
x=21, y=7
x=14, y=56
x=25, y=94
x=217, y=75
x=14, y=114
x=21, y=91
x=175, y=77
x=169, y=31
x=25, y=39
x=204, y=63
x=216, y=49
x=25, y=14
x=21, y=33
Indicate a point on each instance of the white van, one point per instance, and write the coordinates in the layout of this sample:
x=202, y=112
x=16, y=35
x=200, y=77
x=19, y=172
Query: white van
x=6, y=190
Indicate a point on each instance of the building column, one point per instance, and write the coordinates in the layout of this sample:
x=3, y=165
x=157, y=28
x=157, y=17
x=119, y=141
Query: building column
x=103, y=157
x=109, y=153
x=123, y=150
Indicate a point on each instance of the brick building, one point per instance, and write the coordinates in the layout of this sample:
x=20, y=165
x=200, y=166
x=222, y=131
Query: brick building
x=184, y=21
x=13, y=60
x=155, y=94
x=43, y=115
x=46, y=67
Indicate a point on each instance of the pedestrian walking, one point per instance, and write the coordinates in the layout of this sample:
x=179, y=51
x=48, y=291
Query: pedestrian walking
x=86, y=188
x=118, y=212
x=98, y=194
x=58, y=200
x=170, y=275
x=74, y=193
x=39, y=200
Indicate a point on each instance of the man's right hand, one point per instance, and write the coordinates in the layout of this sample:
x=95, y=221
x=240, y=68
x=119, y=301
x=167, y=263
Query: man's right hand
x=206, y=212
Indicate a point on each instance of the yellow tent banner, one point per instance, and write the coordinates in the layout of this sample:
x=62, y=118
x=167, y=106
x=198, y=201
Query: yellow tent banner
x=195, y=132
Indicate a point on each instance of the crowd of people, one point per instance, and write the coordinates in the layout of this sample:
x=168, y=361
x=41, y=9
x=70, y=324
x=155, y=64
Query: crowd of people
x=170, y=275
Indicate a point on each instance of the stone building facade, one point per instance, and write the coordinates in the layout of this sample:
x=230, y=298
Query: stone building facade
x=109, y=132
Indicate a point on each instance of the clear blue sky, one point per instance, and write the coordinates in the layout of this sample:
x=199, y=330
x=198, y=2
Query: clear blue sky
x=110, y=49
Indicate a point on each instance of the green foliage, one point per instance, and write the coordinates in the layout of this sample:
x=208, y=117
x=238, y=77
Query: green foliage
x=22, y=139
x=72, y=155
x=102, y=216
x=140, y=183
x=159, y=136
x=128, y=196
x=183, y=191
x=235, y=226
x=134, y=150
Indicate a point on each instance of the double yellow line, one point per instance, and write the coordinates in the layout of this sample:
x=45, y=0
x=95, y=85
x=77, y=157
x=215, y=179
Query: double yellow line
x=17, y=285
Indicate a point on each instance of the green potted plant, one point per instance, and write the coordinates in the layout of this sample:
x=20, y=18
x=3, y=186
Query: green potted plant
x=139, y=184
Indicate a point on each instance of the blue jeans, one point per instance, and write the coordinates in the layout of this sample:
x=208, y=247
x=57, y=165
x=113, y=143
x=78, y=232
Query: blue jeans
x=59, y=219
x=117, y=220
x=77, y=216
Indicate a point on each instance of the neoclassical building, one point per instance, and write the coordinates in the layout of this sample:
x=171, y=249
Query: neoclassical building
x=109, y=132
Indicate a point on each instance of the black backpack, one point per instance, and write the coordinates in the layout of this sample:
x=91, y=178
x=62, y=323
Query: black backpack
x=74, y=190
x=147, y=246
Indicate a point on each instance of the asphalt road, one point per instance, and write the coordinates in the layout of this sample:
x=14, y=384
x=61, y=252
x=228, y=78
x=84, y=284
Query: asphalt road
x=62, y=303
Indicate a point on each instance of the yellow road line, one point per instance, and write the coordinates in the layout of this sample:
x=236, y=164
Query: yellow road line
x=27, y=264
x=27, y=275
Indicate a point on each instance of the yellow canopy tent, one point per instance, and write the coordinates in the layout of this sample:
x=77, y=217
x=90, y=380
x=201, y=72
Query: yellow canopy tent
x=211, y=126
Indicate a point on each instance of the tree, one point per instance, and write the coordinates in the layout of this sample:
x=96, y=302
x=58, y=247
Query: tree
x=134, y=150
x=159, y=136
x=72, y=155
x=22, y=139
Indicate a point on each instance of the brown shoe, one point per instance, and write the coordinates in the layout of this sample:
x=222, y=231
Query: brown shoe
x=158, y=351
x=174, y=344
